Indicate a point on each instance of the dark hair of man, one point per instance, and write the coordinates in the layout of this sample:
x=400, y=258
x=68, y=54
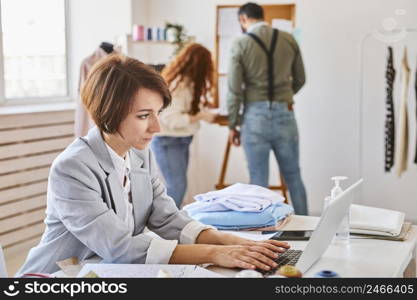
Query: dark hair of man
x=252, y=10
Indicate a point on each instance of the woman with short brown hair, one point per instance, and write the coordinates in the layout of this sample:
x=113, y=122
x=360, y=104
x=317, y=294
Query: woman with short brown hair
x=104, y=188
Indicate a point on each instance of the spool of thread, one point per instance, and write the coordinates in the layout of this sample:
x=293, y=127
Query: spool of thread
x=161, y=34
x=137, y=32
x=155, y=34
x=149, y=34
x=326, y=274
x=276, y=276
x=164, y=274
x=248, y=274
x=171, y=34
x=290, y=271
x=158, y=34
x=164, y=34
x=141, y=33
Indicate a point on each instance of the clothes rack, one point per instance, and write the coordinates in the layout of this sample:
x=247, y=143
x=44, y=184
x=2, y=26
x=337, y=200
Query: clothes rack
x=389, y=37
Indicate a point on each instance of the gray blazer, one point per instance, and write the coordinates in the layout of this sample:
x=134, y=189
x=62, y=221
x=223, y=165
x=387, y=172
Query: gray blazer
x=81, y=215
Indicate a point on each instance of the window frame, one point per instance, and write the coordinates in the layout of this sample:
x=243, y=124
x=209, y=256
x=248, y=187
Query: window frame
x=39, y=100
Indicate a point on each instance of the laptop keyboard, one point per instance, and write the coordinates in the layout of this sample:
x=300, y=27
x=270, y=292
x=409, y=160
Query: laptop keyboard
x=289, y=257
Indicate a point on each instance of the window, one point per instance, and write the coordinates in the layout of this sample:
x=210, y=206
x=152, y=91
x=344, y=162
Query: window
x=34, y=55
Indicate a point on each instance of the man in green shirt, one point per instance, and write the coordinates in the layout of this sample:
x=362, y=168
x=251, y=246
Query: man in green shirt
x=265, y=71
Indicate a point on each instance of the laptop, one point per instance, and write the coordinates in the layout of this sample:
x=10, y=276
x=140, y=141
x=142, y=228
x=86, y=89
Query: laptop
x=322, y=235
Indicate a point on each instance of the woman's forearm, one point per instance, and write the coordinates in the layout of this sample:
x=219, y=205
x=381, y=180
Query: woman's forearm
x=193, y=254
x=194, y=118
x=243, y=254
x=204, y=250
x=215, y=237
x=209, y=236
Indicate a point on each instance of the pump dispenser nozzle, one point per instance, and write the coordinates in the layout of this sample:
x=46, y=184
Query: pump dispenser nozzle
x=336, y=190
x=337, y=179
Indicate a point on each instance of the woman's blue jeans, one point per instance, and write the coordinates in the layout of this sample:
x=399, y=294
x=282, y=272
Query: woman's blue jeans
x=172, y=155
x=266, y=128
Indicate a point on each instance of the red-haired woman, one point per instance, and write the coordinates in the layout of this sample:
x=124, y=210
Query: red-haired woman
x=190, y=79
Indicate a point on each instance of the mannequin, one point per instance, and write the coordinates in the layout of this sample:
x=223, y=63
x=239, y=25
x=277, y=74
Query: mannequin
x=107, y=47
x=82, y=121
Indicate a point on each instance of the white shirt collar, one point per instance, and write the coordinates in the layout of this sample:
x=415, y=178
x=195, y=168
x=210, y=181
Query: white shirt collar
x=119, y=162
x=256, y=25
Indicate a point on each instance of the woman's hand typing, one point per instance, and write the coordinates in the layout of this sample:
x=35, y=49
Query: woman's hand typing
x=245, y=257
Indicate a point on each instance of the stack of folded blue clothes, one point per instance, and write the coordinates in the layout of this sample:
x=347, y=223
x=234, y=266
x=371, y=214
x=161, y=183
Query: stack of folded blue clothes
x=239, y=206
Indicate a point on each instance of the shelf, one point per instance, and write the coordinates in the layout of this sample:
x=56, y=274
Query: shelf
x=152, y=42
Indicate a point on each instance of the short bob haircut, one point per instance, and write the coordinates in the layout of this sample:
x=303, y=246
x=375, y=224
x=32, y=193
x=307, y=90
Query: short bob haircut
x=111, y=86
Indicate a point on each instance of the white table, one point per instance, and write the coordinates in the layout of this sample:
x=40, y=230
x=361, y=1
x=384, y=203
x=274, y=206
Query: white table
x=361, y=258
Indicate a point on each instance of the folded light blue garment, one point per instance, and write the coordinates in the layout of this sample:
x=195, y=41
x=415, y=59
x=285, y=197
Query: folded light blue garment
x=235, y=220
x=239, y=196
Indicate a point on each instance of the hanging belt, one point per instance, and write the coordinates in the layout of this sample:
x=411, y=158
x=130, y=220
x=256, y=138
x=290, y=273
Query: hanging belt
x=270, y=55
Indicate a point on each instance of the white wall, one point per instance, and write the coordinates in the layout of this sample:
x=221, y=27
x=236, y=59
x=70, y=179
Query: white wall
x=327, y=108
x=140, y=11
x=92, y=22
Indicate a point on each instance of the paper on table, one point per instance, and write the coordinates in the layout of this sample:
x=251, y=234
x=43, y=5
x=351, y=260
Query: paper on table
x=228, y=22
x=374, y=220
x=283, y=24
x=222, y=86
x=401, y=237
x=70, y=266
x=225, y=43
x=146, y=271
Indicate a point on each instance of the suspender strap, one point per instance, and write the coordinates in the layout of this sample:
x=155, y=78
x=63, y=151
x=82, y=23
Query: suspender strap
x=270, y=56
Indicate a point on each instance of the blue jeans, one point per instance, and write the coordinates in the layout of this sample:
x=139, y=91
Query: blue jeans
x=265, y=129
x=172, y=155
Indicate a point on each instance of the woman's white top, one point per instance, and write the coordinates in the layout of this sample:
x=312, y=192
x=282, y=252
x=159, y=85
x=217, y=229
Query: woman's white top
x=122, y=166
x=175, y=120
x=160, y=250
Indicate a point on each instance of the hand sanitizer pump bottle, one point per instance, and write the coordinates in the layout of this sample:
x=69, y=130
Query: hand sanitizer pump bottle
x=342, y=234
x=327, y=201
